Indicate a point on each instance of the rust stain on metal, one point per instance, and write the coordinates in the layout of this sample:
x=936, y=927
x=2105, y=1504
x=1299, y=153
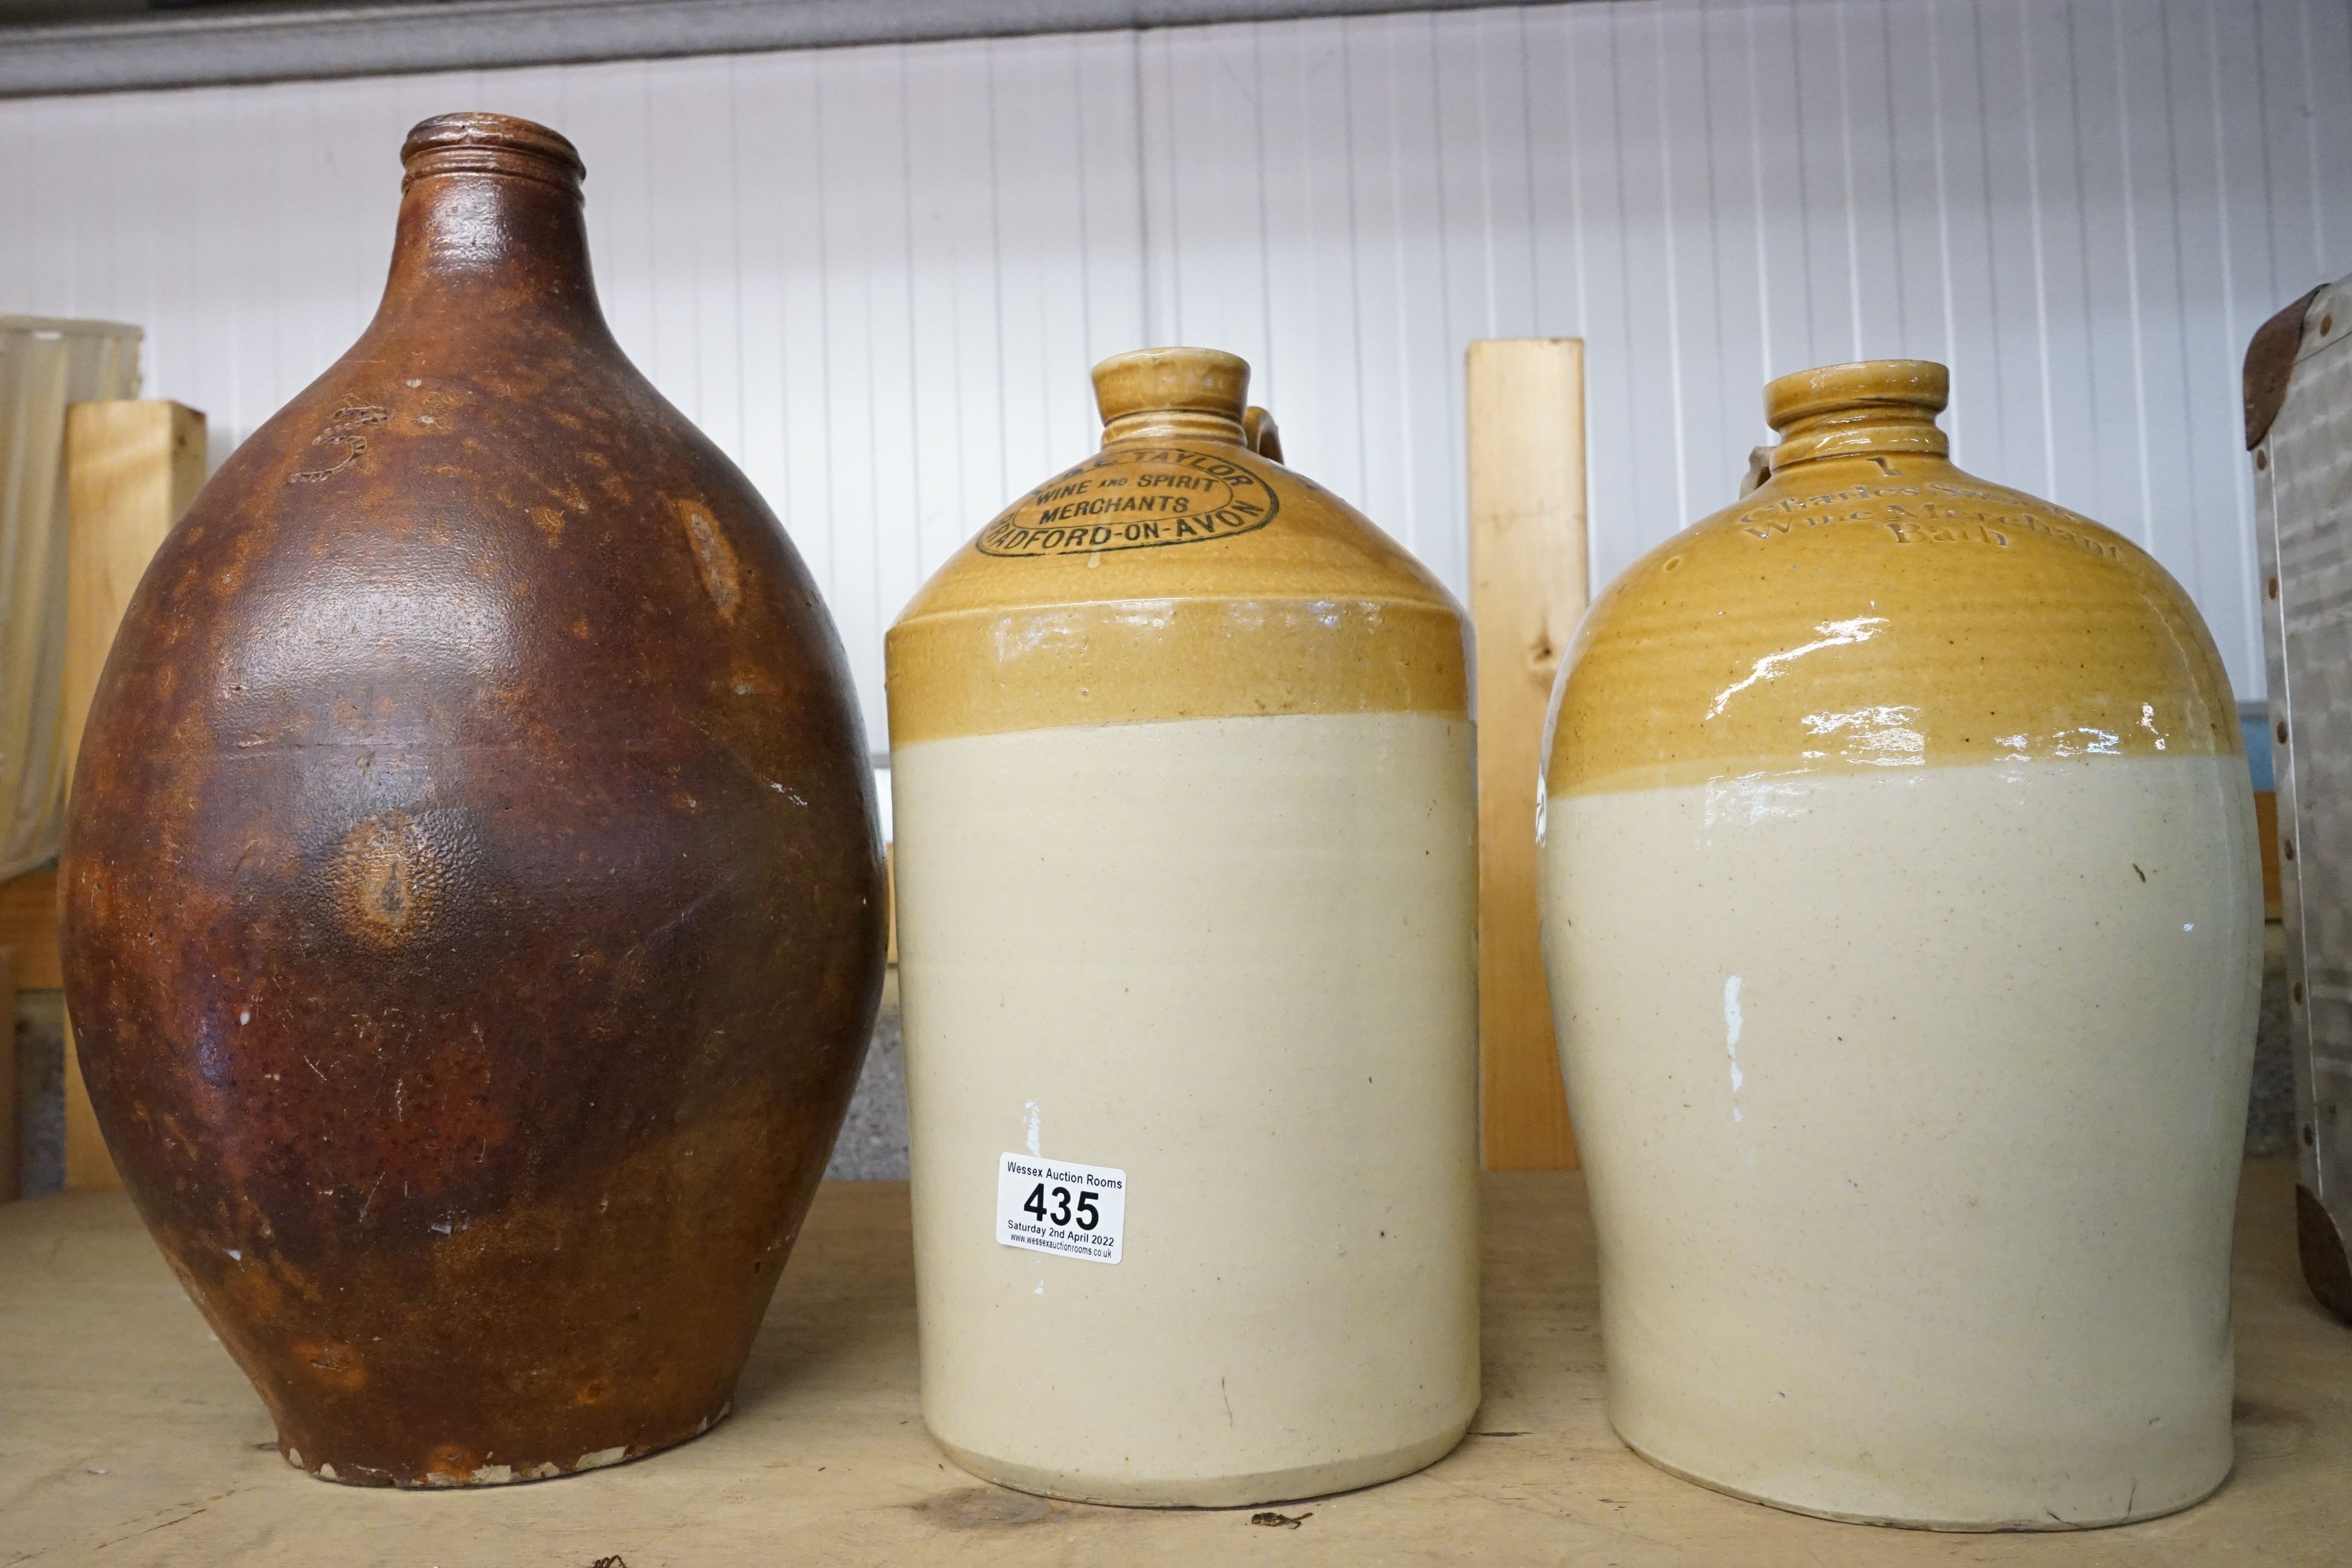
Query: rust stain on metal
x=2319, y=1245
x=2270, y=362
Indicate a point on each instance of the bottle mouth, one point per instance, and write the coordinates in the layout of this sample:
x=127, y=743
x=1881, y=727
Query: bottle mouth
x=1880, y=404
x=482, y=143
x=1902, y=388
x=1151, y=388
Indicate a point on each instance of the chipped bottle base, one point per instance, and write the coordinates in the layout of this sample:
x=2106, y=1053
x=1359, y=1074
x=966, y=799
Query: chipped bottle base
x=455, y=1468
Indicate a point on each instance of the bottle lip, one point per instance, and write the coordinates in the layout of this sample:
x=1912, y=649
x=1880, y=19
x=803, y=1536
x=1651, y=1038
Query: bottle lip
x=1172, y=379
x=478, y=141
x=1893, y=383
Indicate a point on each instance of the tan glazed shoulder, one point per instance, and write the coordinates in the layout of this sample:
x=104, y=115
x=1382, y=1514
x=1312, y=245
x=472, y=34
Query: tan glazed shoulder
x=1871, y=605
x=1176, y=573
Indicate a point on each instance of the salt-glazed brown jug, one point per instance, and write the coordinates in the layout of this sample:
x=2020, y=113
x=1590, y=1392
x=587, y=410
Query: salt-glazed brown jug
x=1183, y=780
x=1904, y=927
x=472, y=897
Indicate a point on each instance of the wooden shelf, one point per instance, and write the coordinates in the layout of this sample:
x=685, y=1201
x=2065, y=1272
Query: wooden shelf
x=124, y=1428
x=109, y=50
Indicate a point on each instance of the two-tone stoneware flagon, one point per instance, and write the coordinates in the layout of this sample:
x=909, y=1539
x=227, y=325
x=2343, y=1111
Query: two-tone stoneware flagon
x=1182, y=789
x=473, y=902
x=1904, y=925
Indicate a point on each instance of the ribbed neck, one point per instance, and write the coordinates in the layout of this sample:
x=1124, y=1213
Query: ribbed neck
x=1848, y=410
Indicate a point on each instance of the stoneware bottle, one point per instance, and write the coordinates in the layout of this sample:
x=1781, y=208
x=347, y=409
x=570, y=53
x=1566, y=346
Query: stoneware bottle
x=1903, y=922
x=472, y=899
x=1182, y=780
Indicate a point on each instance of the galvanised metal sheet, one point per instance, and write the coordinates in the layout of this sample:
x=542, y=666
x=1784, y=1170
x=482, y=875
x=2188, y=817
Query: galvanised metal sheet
x=2302, y=490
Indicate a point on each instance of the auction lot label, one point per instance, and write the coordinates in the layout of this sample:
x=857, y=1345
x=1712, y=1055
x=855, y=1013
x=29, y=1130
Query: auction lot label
x=1054, y=1205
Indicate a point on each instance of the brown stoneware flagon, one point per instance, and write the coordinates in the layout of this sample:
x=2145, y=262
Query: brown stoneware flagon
x=472, y=901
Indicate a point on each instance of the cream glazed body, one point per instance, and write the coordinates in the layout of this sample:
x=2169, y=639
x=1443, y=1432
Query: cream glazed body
x=1904, y=997
x=1186, y=842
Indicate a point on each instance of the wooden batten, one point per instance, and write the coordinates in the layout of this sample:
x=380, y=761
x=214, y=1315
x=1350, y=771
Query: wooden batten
x=1527, y=586
x=131, y=468
x=2266, y=836
x=87, y=1164
x=11, y=1155
x=28, y=928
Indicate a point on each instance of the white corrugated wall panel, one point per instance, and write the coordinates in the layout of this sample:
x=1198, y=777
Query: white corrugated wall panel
x=878, y=276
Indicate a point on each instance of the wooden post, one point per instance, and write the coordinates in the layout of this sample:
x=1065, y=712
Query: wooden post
x=131, y=468
x=28, y=928
x=12, y=1153
x=28, y=961
x=1525, y=406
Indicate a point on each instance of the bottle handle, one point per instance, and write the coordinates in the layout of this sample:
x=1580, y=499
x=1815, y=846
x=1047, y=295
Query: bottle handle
x=1263, y=436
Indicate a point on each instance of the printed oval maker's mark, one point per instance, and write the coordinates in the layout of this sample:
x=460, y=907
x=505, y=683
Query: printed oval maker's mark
x=1134, y=498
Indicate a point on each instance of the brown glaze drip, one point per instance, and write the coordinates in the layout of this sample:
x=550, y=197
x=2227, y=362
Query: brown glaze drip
x=473, y=905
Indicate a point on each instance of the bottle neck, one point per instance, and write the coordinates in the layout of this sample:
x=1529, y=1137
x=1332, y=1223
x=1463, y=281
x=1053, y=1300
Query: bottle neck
x=1175, y=424
x=1858, y=430
x=498, y=245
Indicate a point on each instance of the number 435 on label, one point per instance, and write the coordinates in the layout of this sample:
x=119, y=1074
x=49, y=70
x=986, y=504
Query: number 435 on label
x=1059, y=1206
